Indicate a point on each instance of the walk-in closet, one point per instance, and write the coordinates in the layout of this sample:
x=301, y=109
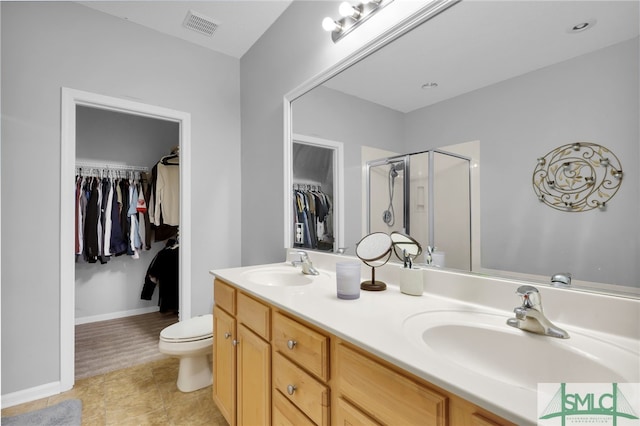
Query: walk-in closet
x=127, y=226
x=313, y=196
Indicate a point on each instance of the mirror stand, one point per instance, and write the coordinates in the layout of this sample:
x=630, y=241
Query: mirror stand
x=373, y=285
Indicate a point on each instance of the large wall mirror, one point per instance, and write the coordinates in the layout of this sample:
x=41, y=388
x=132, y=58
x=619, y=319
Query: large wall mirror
x=517, y=79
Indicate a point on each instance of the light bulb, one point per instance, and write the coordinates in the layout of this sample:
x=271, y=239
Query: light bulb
x=328, y=24
x=346, y=9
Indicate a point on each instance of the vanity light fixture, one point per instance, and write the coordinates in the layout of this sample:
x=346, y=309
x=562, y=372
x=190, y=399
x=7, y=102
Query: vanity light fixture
x=351, y=17
x=328, y=24
x=577, y=177
x=346, y=10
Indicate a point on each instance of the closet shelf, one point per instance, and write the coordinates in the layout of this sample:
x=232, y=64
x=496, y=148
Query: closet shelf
x=110, y=166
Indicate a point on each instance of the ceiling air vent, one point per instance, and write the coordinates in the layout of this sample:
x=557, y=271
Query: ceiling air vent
x=200, y=23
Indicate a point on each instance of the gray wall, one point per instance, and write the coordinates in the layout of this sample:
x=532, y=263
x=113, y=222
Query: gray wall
x=292, y=51
x=592, y=98
x=329, y=114
x=115, y=137
x=283, y=58
x=52, y=44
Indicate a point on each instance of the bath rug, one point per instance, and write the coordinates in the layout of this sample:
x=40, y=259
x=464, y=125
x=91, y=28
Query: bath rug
x=65, y=413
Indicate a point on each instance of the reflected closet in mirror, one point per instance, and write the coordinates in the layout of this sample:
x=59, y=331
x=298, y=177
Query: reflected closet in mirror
x=315, y=199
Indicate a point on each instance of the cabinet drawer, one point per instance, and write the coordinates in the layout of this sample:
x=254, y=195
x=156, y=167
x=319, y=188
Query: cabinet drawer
x=254, y=315
x=286, y=414
x=224, y=296
x=385, y=394
x=305, y=346
x=299, y=387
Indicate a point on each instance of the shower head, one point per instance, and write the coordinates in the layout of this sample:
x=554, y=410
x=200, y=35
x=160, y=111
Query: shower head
x=395, y=168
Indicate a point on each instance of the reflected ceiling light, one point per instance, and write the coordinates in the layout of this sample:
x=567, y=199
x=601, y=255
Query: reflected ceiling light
x=351, y=17
x=430, y=85
x=582, y=26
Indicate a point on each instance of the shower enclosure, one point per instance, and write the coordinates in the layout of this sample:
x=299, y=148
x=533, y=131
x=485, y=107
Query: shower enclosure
x=425, y=195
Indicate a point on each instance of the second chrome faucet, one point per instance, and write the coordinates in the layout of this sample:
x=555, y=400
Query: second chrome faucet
x=529, y=316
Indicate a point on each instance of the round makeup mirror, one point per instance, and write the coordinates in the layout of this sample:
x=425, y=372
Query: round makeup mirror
x=374, y=250
x=405, y=247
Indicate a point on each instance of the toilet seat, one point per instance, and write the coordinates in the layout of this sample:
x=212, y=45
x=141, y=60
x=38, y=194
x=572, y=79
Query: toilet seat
x=194, y=329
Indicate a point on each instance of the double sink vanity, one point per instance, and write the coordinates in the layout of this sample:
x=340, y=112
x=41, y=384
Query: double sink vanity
x=288, y=351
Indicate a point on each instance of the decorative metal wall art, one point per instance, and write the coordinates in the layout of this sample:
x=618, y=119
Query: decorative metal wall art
x=577, y=177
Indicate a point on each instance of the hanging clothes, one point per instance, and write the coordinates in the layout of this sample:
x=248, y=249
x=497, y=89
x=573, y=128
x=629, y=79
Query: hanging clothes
x=163, y=198
x=167, y=191
x=163, y=272
x=106, y=218
x=91, y=222
x=313, y=213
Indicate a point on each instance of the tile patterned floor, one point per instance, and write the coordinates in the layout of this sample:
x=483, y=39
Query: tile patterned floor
x=142, y=395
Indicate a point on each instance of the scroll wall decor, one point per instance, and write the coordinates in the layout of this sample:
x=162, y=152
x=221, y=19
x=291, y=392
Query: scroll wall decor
x=577, y=177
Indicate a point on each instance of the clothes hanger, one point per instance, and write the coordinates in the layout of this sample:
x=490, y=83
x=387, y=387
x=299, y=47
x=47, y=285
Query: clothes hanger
x=166, y=160
x=175, y=155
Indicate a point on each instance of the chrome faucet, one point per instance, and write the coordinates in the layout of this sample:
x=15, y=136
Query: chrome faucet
x=562, y=279
x=529, y=316
x=305, y=262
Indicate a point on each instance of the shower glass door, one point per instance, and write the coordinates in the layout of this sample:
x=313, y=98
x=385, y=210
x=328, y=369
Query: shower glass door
x=388, y=195
x=425, y=195
x=450, y=217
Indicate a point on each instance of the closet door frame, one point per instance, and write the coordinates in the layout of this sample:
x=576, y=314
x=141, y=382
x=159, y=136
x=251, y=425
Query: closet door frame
x=70, y=99
x=338, y=186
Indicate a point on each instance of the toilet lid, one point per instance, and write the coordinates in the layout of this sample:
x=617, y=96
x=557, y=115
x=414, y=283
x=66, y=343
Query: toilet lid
x=196, y=328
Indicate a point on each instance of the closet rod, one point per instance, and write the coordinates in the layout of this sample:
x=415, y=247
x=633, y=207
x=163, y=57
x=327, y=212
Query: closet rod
x=110, y=166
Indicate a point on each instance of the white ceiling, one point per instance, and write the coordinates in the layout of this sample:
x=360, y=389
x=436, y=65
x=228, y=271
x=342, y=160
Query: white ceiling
x=471, y=45
x=478, y=43
x=240, y=22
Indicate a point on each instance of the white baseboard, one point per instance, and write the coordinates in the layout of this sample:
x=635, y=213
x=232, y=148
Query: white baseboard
x=114, y=315
x=31, y=394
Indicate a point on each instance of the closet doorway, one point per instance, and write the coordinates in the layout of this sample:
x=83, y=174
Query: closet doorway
x=314, y=184
x=72, y=100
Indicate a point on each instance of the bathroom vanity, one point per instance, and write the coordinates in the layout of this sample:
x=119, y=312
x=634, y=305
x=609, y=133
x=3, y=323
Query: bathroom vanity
x=295, y=373
x=288, y=351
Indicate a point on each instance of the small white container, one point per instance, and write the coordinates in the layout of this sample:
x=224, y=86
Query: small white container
x=348, y=280
x=411, y=281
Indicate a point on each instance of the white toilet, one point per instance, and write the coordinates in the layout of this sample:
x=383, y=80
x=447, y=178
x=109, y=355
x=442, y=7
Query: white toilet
x=191, y=341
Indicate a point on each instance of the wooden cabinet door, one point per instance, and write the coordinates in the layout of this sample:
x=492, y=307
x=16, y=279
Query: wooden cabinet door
x=384, y=394
x=224, y=364
x=254, y=378
x=348, y=415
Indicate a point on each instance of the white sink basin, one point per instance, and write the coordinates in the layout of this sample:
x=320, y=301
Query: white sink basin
x=278, y=276
x=486, y=345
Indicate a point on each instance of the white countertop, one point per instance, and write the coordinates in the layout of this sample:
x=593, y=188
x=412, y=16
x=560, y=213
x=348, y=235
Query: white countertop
x=375, y=321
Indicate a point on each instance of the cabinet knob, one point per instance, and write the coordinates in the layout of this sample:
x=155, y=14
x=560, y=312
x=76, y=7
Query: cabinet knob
x=291, y=389
x=227, y=335
x=235, y=342
x=291, y=344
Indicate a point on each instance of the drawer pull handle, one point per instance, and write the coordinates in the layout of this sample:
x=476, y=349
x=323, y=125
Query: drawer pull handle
x=291, y=389
x=291, y=344
x=235, y=342
x=227, y=335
